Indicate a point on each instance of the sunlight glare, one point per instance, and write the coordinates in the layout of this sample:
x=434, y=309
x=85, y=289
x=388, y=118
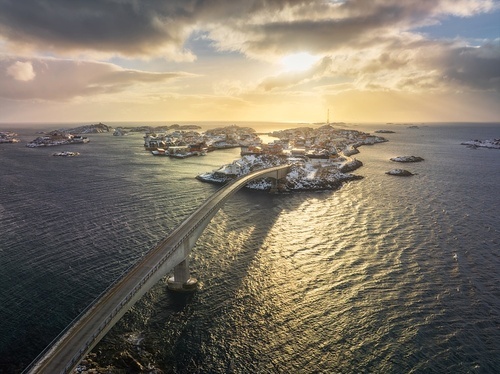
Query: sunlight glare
x=298, y=61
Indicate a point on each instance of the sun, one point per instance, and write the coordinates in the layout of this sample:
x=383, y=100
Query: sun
x=298, y=61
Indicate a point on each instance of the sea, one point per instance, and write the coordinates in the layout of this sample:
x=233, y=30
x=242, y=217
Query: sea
x=387, y=274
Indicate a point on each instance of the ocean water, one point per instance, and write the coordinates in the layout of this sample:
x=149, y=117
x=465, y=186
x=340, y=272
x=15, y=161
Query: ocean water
x=385, y=275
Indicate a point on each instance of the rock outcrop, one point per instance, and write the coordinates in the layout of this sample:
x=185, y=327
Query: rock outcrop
x=407, y=159
x=400, y=173
x=489, y=143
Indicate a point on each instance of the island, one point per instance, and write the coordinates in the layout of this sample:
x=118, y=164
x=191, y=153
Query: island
x=119, y=131
x=56, y=137
x=384, y=132
x=89, y=129
x=8, y=137
x=66, y=154
x=183, y=142
x=489, y=143
x=162, y=129
x=319, y=159
x=400, y=173
x=407, y=159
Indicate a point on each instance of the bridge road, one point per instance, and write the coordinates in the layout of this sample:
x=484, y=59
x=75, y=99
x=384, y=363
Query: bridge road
x=71, y=346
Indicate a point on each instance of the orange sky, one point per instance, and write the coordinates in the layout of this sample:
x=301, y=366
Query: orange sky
x=378, y=61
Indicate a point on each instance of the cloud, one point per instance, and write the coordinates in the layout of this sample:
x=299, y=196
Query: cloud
x=259, y=29
x=326, y=27
x=128, y=28
x=475, y=67
x=21, y=71
x=402, y=64
x=289, y=79
x=66, y=79
x=362, y=46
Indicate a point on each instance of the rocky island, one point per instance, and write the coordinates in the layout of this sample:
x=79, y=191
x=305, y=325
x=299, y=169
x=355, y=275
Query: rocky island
x=57, y=138
x=400, y=173
x=66, y=154
x=68, y=136
x=490, y=143
x=407, y=159
x=319, y=158
x=384, y=132
x=181, y=142
x=162, y=129
x=89, y=129
x=8, y=137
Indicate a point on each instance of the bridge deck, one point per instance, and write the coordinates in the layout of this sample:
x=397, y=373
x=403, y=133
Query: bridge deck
x=69, y=348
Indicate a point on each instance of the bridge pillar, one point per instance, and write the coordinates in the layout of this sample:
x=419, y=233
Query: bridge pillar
x=182, y=280
x=274, y=186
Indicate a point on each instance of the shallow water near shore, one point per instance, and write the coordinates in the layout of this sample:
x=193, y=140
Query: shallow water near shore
x=387, y=274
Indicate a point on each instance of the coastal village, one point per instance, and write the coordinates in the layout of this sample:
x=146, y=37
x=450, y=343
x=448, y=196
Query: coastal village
x=320, y=156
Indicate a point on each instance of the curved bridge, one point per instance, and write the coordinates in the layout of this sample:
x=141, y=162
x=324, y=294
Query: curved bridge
x=78, y=339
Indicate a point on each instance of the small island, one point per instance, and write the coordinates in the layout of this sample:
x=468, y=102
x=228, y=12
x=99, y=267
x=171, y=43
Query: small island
x=66, y=154
x=407, y=159
x=119, y=131
x=489, y=143
x=385, y=132
x=8, y=137
x=400, y=173
x=57, y=138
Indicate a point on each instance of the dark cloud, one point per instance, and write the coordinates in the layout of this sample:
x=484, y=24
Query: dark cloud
x=353, y=24
x=478, y=68
x=124, y=27
x=127, y=27
x=145, y=28
x=51, y=79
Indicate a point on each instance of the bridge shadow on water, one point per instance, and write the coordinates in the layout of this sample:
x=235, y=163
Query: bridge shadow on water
x=178, y=331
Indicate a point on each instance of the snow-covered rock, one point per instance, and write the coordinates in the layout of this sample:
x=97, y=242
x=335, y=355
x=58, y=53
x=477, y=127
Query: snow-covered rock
x=489, y=143
x=400, y=172
x=407, y=159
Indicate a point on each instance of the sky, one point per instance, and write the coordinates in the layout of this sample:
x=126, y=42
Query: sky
x=249, y=60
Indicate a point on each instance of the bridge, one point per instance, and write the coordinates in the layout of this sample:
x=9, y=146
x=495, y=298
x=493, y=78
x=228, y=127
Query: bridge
x=71, y=345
